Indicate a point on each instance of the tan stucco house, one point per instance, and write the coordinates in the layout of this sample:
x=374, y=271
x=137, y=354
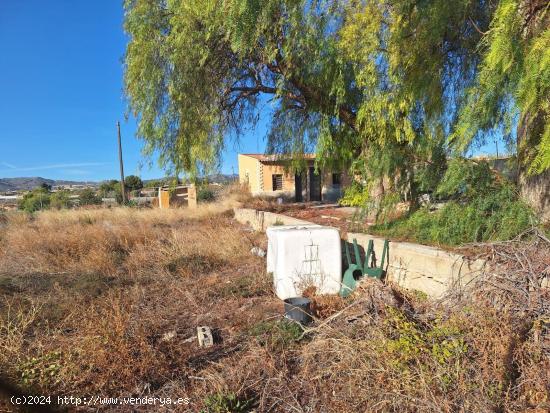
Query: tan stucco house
x=265, y=175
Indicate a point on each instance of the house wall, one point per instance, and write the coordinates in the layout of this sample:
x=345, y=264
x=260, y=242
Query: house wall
x=249, y=172
x=268, y=170
x=331, y=192
x=259, y=176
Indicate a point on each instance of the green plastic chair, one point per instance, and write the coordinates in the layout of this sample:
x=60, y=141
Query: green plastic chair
x=374, y=271
x=356, y=270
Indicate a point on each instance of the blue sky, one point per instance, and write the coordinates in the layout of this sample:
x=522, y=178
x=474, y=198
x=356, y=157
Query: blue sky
x=61, y=93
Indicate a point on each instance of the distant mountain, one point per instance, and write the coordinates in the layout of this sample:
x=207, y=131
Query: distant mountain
x=222, y=178
x=28, y=183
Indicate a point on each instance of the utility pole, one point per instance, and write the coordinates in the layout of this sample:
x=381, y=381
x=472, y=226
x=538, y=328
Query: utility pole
x=122, y=187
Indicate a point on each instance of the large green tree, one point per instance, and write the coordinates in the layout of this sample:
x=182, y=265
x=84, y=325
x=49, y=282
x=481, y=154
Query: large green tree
x=196, y=71
x=391, y=87
x=511, y=90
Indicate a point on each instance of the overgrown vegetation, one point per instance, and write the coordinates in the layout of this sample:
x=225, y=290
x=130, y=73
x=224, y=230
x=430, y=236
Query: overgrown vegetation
x=205, y=194
x=481, y=206
x=277, y=335
x=43, y=198
x=35, y=200
x=227, y=403
x=388, y=89
x=113, y=309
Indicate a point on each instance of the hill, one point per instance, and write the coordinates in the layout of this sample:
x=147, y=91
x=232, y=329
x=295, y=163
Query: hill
x=28, y=183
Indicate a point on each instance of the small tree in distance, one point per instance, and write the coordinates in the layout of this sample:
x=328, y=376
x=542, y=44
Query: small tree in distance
x=89, y=197
x=60, y=200
x=133, y=183
x=35, y=200
x=108, y=187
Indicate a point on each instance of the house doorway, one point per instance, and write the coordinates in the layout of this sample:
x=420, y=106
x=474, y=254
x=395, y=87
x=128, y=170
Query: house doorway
x=314, y=185
x=298, y=188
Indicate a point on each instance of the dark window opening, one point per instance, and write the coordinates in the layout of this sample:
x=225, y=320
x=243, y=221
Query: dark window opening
x=277, y=182
x=336, y=179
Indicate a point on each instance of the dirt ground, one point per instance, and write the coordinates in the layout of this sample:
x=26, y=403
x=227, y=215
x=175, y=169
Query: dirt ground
x=105, y=304
x=343, y=218
x=346, y=219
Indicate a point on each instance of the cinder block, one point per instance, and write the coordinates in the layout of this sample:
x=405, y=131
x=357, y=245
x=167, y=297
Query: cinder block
x=204, y=335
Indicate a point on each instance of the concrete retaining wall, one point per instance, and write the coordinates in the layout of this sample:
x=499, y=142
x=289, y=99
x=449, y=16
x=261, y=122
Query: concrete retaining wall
x=260, y=220
x=412, y=266
x=419, y=267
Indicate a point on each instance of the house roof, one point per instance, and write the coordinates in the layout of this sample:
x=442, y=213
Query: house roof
x=274, y=157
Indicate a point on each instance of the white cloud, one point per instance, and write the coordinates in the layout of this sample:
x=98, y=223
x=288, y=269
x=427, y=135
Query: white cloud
x=12, y=168
x=8, y=165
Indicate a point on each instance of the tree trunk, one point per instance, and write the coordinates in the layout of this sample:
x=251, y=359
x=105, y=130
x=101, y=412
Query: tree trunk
x=413, y=191
x=534, y=189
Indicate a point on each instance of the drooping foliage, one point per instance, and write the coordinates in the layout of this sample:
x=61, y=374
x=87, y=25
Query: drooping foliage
x=388, y=88
x=482, y=206
x=513, y=83
x=196, y=71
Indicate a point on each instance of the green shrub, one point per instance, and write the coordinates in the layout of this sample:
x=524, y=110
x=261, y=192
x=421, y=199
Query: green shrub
x=41, y=369
x=483, y=206
x=60, y=200
x=277, y=335
x=355, y=195
x=496, y=215
x=132, y=203
x=205, y=194
x=89, y=197
x=35, y=200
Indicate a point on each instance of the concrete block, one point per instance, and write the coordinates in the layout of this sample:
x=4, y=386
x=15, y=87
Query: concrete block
x=204, y=336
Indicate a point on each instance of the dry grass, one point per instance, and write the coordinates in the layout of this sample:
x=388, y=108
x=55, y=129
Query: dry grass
x=94, y=292
x=106, y=302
